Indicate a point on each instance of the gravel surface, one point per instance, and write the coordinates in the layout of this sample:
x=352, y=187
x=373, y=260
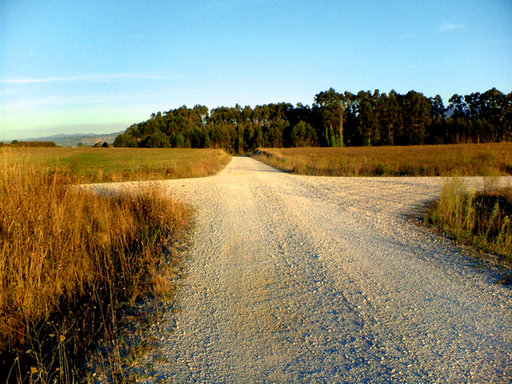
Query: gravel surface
x=316, y=279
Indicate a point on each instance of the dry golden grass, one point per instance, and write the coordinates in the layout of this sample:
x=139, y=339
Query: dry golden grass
x=97, y=165
x=426, y=160
x=69, y=260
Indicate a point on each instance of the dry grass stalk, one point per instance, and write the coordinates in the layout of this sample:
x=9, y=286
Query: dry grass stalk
x=425, y=160
x=481, y=219
x=69, y=260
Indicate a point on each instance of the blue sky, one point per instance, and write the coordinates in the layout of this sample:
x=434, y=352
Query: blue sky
x=100, y=66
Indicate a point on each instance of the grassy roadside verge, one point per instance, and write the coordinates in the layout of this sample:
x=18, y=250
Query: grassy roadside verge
x=426, y=160
x=99, y=165
x=69, y=261
x=481, y=219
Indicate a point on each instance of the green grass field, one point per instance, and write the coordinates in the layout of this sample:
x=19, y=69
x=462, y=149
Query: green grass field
x=96, y=165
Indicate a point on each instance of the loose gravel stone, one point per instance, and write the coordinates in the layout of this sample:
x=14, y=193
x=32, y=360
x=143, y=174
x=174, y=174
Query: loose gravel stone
x=315, y=279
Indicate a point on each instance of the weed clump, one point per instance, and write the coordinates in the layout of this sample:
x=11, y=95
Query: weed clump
x=482, y=219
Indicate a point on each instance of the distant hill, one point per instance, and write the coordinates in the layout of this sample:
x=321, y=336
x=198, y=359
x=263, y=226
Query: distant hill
x=75, y=139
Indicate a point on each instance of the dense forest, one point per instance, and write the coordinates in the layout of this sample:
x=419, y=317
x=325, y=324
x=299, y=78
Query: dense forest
x=334, y=120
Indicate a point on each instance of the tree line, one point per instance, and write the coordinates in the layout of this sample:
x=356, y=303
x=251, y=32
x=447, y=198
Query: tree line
x=16, y=143
x=334, y=120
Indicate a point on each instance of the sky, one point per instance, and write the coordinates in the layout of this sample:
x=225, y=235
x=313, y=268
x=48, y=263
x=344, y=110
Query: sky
x=100, y=66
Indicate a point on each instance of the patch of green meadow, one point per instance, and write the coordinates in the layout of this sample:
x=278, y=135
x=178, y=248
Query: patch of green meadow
x=98, y=165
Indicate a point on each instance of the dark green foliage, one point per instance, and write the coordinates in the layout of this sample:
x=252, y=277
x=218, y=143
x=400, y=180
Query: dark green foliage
x=331, y=107
x=156, y=140
x=125, y=140
x=303, y=135
x=334, y=120
x=33, y=144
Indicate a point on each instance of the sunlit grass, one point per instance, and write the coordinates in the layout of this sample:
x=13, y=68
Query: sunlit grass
x=482, y=218
x=69, y=260
x=427, y=160
x=97, y=165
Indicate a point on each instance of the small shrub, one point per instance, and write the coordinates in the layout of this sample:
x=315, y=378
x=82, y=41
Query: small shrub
x=482, y=219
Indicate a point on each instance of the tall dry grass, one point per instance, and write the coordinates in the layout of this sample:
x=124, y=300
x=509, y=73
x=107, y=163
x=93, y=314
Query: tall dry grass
x=482, y=219
x=425, y=160
x=69, y=260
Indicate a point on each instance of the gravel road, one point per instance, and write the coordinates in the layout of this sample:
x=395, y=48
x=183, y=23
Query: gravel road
x=315, y=279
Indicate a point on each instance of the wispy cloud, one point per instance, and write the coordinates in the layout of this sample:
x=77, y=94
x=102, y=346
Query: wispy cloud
x=59, y=102
x=450, y=27
x=92, y=78
x=2, y=93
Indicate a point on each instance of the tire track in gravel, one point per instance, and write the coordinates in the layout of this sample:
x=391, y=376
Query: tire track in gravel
x=304, y=279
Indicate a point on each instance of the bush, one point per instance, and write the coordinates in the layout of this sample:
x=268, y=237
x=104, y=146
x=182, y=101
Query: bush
x=482, y=219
